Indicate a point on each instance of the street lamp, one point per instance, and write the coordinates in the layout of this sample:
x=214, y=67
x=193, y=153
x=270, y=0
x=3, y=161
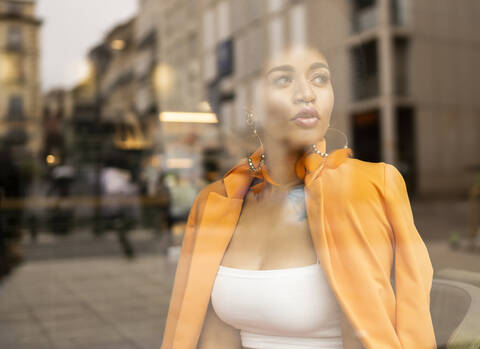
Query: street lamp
x=117, y=44
x=189, y=117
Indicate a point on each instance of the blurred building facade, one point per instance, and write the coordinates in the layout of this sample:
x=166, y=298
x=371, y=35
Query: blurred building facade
x=20, y=90
x=57, y=129
x=147, y=47
x=116, y=83
x=403, y=74
x=179, y=82
x=167, y=78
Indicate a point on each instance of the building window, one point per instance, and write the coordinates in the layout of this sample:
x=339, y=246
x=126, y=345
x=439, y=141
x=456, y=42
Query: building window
x=15, y=108
x=224, y=53
x=11, y=68
x=402, y=66
x=400, y=12
x=14, y=37
x=15, y=8
x=364, y=13
x=365, y=70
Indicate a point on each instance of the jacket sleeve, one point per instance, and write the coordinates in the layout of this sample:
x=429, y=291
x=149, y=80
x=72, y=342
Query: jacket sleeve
x=412, y=268
x=181, y=274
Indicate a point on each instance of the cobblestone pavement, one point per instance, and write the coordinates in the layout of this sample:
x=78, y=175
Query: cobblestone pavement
x=95, y=302
x=78, y=292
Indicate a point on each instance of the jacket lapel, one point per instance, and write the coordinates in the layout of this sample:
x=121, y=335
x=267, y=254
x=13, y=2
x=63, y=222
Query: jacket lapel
x=216, y=227
x=315, y=204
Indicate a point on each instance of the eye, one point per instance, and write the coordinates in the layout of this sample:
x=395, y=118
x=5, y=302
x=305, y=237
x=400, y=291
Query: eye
x=282, y=80
x=320, y=79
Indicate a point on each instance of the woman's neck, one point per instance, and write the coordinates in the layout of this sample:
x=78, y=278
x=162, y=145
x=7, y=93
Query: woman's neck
x=280, y=162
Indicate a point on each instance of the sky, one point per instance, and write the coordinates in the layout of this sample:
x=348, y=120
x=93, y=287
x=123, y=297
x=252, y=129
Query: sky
x=70, y=28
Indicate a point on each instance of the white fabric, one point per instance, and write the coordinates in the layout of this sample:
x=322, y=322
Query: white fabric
x=279, y=308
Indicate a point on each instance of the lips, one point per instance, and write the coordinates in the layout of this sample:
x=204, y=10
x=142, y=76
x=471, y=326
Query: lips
x=306, y=118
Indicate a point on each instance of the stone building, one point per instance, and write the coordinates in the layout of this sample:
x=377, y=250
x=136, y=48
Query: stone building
x=116, y=79
x=20, y=90
x=177, y=81
x=56, y=126
x=403, y=71
x=146, y=42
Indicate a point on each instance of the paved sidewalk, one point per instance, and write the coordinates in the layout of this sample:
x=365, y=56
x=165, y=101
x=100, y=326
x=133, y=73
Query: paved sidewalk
x=78, y=292
x=94, y=303
x=110, y=302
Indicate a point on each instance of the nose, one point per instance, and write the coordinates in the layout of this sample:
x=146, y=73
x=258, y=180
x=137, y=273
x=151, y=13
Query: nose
x=303, y=92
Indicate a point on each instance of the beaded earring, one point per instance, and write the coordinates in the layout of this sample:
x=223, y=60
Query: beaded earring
x=251, y=122
x=325, y=154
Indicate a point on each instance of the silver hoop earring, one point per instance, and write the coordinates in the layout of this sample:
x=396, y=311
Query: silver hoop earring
x=251, y=123
x=342, y=133
x=317, y=151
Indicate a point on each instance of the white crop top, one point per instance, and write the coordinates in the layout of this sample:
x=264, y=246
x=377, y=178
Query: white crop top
x=279, y=308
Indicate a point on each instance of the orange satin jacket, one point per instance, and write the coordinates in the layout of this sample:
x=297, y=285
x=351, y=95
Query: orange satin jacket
x=363, y=230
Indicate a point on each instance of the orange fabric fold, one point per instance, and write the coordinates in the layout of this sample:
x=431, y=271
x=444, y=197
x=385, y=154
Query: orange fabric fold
x=362, y=227
x=307, y=168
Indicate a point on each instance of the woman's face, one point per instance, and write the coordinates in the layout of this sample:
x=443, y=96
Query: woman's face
x=298, y=97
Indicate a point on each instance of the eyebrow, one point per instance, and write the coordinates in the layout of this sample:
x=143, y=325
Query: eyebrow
x=280, y=68
x=289, y=68
x=318, y=65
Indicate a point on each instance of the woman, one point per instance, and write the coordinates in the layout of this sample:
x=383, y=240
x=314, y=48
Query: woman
x=258, y=269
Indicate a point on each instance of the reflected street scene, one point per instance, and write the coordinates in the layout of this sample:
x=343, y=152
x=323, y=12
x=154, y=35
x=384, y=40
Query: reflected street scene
x=239, y=174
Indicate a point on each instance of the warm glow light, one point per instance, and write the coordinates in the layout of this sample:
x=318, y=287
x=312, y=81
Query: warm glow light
x=7, y=68
x=204, y=106
x=50, y=159
x=155, y=162
x=130, y=136
x=163, y=78
x=205, y=118
x=179, y=163
x=117, y=44
x=85, y=70
x=80, y=70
